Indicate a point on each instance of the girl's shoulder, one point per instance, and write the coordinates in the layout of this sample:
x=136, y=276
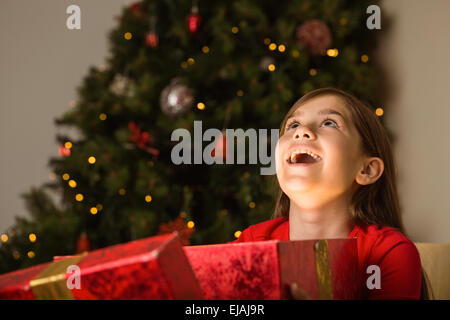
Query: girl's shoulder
x=383, y=244
x=374, y=233
x=397, y=258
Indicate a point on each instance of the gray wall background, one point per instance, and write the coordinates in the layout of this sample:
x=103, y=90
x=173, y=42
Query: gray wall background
x=42, y=63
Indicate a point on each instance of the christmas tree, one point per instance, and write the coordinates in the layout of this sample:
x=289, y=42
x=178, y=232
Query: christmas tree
x=229, y=64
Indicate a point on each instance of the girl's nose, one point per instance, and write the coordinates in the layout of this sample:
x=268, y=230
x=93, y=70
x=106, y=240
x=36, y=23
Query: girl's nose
x=303, y=132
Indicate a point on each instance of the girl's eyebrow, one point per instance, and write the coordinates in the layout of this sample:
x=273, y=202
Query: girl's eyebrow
x=321, y=112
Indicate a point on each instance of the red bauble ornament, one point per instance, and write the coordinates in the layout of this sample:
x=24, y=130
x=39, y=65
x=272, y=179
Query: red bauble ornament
x=220, y=148
x=193, y=21
x=63, y=151
x=315, y=36
x=136, y=8
x=152, y=40
x=83, y=243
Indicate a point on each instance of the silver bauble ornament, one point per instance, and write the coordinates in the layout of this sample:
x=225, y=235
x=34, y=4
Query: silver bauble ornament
x=176, y=98
x=119, y=85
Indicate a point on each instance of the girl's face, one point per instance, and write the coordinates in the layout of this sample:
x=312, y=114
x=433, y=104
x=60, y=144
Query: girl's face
x=316, y=126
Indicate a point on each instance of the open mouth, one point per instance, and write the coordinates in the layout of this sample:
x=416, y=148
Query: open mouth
x=303, y=157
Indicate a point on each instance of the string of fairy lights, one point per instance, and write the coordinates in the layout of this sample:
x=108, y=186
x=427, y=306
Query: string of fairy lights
x=16, y=254
x=148, y=198
x=272, y=46
x=79, y=197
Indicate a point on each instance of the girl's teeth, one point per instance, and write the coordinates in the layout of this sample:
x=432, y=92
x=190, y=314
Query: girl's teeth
x=294, y=155
x=293, y=158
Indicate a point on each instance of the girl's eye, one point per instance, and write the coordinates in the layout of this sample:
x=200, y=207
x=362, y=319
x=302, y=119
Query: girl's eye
x=291, y=125
x=295, y=124
x=329, y=120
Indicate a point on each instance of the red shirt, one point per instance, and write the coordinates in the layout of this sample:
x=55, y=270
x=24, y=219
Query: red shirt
x=396, y=255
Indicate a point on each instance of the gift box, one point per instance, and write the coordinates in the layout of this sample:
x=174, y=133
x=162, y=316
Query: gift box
x=263, y=270
x=151, y=268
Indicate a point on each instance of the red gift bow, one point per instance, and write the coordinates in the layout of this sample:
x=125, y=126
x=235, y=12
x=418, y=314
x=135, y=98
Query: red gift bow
x=144, y=140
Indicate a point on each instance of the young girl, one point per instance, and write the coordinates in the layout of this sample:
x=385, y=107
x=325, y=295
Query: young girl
x=337, y=177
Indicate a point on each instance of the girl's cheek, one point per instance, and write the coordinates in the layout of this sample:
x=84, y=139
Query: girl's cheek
x=279, y=153
x=281, y=143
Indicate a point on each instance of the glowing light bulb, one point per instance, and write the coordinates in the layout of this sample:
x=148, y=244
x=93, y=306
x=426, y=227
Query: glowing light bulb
x=332, y=53
x=72, y=183
x=379, y=112
x=32, y=237
x=4, y=238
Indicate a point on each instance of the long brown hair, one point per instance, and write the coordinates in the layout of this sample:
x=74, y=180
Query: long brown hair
x=376, y=203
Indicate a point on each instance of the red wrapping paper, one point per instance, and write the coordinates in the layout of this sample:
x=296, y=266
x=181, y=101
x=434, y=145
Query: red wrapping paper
x=151, y=268
x=263, y=270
